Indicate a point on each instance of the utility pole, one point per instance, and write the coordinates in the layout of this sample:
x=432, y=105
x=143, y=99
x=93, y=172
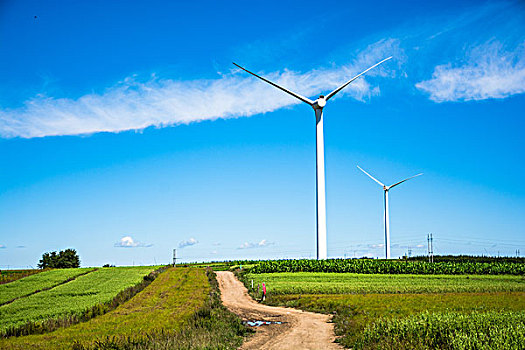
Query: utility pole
x=430, y=248
x=174, y=256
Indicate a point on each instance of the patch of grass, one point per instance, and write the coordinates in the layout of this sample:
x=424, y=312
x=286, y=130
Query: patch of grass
x=69, y=299
x=38, y=282
x=351, y=283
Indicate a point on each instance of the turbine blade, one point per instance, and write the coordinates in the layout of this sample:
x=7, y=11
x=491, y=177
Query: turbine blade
x=330, y=95
x=370, y=176
x=302, y=98
x=400, y=182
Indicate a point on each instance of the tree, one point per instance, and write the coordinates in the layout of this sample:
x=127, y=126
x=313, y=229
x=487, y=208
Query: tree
x=64, y=259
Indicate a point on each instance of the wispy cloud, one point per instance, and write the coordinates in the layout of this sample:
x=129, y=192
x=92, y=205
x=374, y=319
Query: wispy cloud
x=2, y=246
x=21, y=246
x=134, y=104
x=376, y=246
x=490, y=71
x=260, y=244
x=129, y=242
x=187, y=243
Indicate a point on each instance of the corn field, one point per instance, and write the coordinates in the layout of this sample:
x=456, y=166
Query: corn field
x=374, y=266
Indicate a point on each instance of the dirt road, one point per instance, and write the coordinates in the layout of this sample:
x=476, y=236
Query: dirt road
x=299, y=329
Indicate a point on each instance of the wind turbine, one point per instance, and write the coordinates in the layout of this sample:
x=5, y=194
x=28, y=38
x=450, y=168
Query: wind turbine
x=387, y=223
x=318, y=106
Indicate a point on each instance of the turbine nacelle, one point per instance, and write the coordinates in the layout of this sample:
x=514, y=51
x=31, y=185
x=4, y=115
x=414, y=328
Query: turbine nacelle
x=319, y=103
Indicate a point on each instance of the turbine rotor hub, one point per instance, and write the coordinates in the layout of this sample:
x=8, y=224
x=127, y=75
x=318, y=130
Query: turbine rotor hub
x=321, y=102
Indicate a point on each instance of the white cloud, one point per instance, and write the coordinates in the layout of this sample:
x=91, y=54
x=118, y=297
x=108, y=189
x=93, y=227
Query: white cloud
x=489, y=72
x=376, y=245
x=262, y=243
x=134, y=104
x=187, y=243
x=129, y=242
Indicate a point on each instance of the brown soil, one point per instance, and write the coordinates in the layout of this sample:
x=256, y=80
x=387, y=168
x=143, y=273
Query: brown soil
x=299, y=329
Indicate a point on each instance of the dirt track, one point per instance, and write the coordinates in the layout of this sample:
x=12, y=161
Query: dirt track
x=299, y=329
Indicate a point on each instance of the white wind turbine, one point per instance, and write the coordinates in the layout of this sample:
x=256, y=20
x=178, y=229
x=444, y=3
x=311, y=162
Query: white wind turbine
x=387, y=223
x=318, y=106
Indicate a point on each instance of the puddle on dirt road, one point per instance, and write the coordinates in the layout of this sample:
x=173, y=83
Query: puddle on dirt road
x=260, y=323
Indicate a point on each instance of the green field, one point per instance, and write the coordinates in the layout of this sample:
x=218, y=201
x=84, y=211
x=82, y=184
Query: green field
x=71, y=298
x=174, y=311
x=37, y=282
x=407, y=311
x=351, y=283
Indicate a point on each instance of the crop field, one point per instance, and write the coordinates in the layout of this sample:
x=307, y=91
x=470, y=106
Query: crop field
x=375, y=266
x=7, y=276
x=169, y=303
x=477, y=330
x=373, y=311
x=352, y=283
x=70, y=298
x=37, y=282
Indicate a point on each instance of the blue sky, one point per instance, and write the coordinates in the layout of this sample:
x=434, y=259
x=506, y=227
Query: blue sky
x=125, y=131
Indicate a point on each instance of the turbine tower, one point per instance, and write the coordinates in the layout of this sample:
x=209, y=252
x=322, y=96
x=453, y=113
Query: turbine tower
x=387, y=220
x=318, y=106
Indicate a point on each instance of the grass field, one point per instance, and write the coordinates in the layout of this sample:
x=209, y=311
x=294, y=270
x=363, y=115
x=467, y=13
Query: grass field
x=408, y=311
x=71, y=298
x=37, y=282
x=351, y=283
x=177, y=310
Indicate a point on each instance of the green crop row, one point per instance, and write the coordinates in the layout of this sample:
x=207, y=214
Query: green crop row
x=37, y=282
x=71, y=298
x=374, y=266
x=351, y=283
x=447, y=330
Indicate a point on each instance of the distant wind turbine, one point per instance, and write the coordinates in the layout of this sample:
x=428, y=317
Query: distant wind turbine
x=387, y=220
x=318, y=106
